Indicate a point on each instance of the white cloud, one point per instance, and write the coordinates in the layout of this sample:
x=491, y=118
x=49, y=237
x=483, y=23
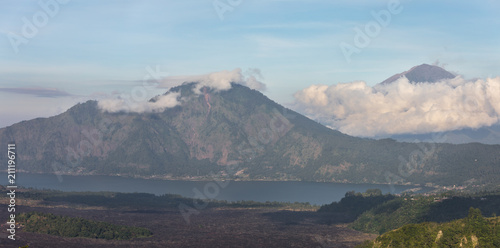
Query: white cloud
x=161, y=103
x=402, y=107
x=218, y=80
x=253, y=79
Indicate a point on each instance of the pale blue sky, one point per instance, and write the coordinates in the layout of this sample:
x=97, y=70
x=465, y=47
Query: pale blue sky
x=90, y=48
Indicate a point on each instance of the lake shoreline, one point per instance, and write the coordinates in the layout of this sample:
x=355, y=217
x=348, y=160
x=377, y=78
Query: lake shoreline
x=212, y=179
x=317, y=193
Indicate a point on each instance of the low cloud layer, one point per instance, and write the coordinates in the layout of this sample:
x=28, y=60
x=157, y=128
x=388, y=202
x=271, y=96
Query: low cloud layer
x=37, y=91
x=218, y=81
x=162, y=102
x=402, y=107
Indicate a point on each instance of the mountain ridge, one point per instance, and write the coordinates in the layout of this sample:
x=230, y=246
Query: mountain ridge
x=237, y=134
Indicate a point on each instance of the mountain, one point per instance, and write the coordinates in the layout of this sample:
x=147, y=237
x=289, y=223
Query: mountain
x=237, y=133
x=422, y=73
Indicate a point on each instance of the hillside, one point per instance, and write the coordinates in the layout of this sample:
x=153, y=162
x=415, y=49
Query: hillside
x=440, y=220
x=400, y=211
x=473, y=231
x=239, y=134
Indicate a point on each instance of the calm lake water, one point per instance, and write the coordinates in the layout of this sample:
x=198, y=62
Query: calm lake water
x=312, y=192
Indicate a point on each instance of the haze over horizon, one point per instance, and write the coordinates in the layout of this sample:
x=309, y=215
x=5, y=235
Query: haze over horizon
x=282, y=47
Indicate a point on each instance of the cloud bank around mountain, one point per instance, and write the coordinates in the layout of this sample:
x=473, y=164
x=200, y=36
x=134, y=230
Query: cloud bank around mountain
x=218, y=81
x=402, y=107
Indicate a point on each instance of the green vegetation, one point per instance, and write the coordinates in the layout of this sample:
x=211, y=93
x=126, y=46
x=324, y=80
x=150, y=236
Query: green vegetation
x=452, y=219
x=417, y=209
x=78, y=227
x=354, y=204
x=117, y=200
x=473, y=231
x=393, y=214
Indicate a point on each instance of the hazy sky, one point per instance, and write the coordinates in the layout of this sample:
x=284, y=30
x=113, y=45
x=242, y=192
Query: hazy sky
x=56, y=54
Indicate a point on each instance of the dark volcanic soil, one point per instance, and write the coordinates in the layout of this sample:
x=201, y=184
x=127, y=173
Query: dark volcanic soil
x=210, y=228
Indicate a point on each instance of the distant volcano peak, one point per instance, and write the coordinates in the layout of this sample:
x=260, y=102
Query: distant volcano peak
x=422, y=73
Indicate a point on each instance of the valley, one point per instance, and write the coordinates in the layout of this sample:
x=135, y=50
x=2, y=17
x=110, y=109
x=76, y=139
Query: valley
x=357, y=219
x=246, y=225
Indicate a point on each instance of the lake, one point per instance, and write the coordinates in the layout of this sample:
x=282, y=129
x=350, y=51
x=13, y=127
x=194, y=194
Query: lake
x=313, y=192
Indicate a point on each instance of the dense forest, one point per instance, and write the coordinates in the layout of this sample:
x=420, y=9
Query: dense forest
x=78, y=227
x=354, y=204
